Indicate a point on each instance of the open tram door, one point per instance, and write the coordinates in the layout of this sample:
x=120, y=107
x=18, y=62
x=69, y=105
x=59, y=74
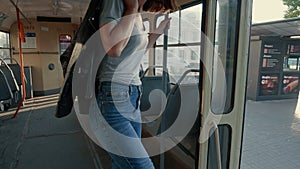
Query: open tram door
x=224, y=52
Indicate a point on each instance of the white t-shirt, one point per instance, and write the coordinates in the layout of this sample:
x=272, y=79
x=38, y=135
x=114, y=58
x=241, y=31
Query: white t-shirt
x=125, y=68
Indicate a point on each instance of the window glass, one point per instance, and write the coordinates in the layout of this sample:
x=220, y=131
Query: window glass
x=173, y=35
x=183, y=42
x=290, y=63
x=191, y=21
x=225, y=47
x=64, y=42
x=180, y=59
x=183, y=53
x=187, y=20
x=4, y=45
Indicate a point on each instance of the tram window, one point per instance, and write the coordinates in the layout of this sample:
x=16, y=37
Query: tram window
x=191, y=20
x=183, y=43
x=180, y=59
x=64, y=42
x=225, y=44
x=4, y=45
x=182, y=21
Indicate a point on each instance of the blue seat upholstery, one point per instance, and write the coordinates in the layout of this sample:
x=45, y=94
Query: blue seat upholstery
x=5, y=91
x=10, y=78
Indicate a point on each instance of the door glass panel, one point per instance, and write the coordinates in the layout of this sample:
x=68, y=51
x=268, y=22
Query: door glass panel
x=225, y=54
x=225, y=144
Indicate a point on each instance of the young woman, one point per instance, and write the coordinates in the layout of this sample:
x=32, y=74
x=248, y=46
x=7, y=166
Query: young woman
x=124, y=39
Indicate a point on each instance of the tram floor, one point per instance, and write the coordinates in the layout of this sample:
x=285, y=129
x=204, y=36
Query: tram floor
x=36, y=139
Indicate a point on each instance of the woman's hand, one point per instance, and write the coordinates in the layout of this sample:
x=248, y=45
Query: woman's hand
x=165, y=24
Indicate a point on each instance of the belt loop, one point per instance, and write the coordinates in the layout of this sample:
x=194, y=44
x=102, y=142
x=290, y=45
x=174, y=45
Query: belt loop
x=130, y=89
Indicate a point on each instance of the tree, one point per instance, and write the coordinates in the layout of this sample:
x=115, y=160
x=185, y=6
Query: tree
x=293, y=8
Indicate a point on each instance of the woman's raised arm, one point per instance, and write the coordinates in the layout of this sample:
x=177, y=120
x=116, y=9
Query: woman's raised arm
x=115, y=36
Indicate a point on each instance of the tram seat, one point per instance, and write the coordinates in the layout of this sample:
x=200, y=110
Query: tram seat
x=151, y=83
x=17, y=72
x=5, y=88
x=183, y=98
x=152, y=112
x=16, y=69
x=15, y=89
x=5, y=92
x=10, y=78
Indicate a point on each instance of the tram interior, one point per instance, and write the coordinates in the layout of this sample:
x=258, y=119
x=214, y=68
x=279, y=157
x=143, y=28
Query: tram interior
x=42, y=20
x=50, y=25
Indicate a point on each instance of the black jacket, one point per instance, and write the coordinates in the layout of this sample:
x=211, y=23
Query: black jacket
x=88, y=26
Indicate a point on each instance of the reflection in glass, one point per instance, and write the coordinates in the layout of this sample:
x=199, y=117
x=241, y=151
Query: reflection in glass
x=224, y=65
x=64, y=42
x=292, y=63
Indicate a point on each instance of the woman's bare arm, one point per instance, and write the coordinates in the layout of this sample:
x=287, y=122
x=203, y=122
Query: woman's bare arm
x=116, y=36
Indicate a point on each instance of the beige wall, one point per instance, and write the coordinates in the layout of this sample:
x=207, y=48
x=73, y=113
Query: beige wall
x=45, y=53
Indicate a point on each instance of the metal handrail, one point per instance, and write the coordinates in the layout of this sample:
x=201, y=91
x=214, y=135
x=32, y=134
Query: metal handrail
x=150, y=67
x=12, y=74
x=21, y=63
x=17, y=64
x=187, y=72
x=182, y=77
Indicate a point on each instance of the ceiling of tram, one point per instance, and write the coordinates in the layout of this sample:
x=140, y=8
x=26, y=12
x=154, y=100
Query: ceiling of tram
x=50, y=8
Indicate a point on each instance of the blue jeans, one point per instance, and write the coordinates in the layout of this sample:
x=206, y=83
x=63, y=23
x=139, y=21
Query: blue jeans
x=119, y=105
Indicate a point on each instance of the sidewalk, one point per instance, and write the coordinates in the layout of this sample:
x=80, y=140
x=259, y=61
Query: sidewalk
x=271, y=135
